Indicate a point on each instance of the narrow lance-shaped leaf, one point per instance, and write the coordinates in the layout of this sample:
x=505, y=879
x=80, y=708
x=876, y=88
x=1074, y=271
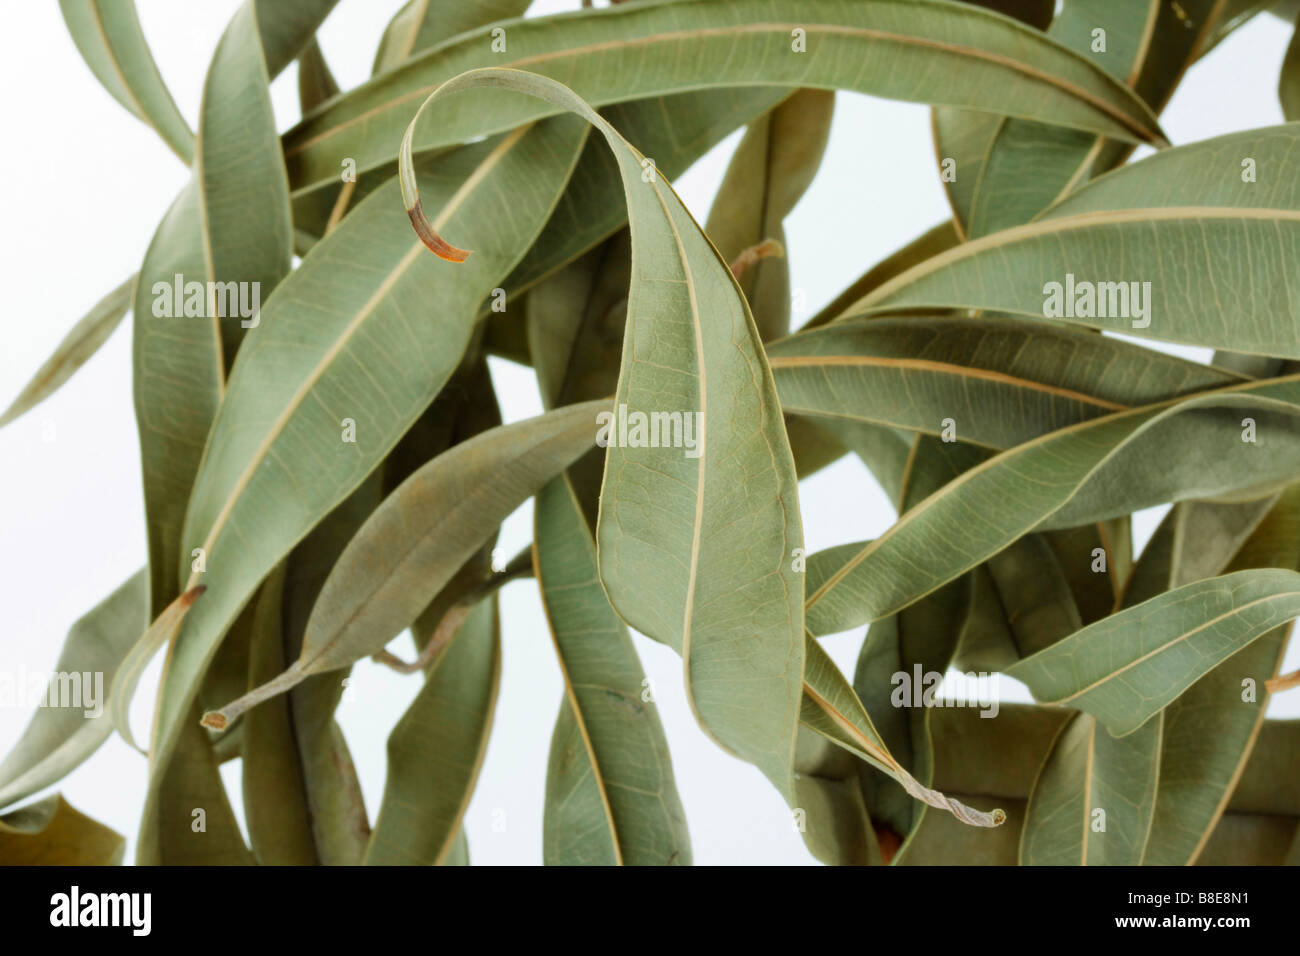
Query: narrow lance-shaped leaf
x=360, y=300
x=832, y=709
x=108, y=34
x=655, y=49
x=437, y=748
x=1191, y=448
x=287, y=28
x=609, y=759
x=1092, y=802
x=722, y=592
x=917, y=642
x=188, y=820
x=1095, y=796
x=276, y=810
x=202, y=285
x=58, y=739
x=420, y=537
x=999, y=759
x=771, y=168
x=1214, y=727
x=1126, y=667
x=81, y=342
x=316, y=83
x=243, y=193
x=137, y=658
x=1002, y=171
x=1000, y=381
x=1141, y=251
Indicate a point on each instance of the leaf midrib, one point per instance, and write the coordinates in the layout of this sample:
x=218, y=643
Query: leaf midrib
x=1143, y=135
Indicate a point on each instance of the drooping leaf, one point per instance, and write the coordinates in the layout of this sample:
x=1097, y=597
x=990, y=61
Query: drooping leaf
x=276, y=809
x=58, y=739
x=831, y=708
x=720, y=388
x=243, y=193
x=901, y=654
x=609, y=759
x=219, y=253
x=771, y=168
x=108, y=34
x=437, y=748
x=357, y=299
x=129, y=671
x=188, y=820
x=420, y=537
x=1114, y=465
x=81, y=342
x=1212, y=728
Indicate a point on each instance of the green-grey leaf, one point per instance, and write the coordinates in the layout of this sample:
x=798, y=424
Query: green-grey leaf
x=108, y=34
x=1159, y=221
x=437, y=748
x=999, y=381
x=360, y=300
x=1093, y=799
x=609, y=759
x=58, y=739
x=742, y=665
x=658, y=48
x=81, y=342
x=1126, y=667
x=1211, y=729
x=243, y=192
x=316, y=83
x=1190, y=448
x=420, y=537
x=771, y=168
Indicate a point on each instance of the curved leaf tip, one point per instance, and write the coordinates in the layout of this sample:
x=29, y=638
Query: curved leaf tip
x=439, y=246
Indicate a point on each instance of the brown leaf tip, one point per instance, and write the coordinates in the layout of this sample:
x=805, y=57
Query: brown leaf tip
x=768, y=248
x=439, y=246
x=192, y=595
x=214, y=719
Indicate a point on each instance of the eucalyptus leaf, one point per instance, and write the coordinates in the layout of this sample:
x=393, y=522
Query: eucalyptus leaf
x=623, y=54
x=81, y=342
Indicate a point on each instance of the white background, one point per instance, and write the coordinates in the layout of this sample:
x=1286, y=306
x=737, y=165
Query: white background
x=84, y=185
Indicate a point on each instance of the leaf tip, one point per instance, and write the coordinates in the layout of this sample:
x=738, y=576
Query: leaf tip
x=439, y=246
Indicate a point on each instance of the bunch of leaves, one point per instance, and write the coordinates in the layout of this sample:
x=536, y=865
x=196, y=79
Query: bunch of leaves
x=533, y=157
